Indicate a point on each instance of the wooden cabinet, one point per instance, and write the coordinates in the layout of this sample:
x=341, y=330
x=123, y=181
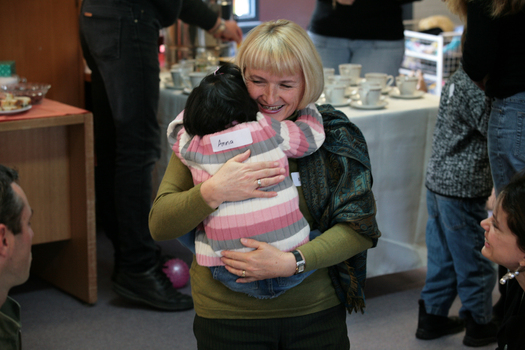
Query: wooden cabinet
x=52, y=149
x=42, y=37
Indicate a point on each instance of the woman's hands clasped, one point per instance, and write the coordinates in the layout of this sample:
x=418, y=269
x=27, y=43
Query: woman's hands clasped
x=264, y=262
x=237, y=181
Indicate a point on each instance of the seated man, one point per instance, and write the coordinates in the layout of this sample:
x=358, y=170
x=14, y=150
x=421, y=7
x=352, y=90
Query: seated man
x=15, y=253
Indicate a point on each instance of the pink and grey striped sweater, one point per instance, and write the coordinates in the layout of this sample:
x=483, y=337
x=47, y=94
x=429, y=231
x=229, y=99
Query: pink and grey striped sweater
x=276, y=220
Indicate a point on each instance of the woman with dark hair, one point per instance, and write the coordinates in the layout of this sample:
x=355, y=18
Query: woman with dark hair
x=505, y=245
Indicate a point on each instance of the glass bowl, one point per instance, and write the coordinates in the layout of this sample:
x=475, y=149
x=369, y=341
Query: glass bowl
x=35, y=91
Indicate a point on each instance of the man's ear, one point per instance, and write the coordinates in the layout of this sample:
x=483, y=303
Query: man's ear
x=4, y=242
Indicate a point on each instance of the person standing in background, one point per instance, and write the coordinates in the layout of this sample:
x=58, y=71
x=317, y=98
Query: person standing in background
x=16, y=236
x=120, y=44
x=493, y=59
x=366, y=32
x=458, y=184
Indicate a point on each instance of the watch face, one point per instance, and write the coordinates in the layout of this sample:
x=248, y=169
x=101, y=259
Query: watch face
x=299, y=261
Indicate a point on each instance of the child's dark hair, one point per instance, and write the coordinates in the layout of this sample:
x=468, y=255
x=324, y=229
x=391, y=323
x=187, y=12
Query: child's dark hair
x=512, y=199
x=220, y=101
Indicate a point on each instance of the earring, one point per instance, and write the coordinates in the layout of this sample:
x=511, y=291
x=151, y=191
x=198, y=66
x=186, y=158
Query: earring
x=508, y=276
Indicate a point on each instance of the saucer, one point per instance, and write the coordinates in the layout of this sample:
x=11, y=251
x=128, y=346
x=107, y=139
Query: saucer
x=342, y=104
x=356, y=97
x=359, y=80
x=169, y=85
x=350, y=91
x=417, y=94
x=359, y=105
x=386, y=90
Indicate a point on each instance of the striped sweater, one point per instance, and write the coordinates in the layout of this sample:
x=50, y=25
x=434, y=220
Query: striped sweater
x=275, y=220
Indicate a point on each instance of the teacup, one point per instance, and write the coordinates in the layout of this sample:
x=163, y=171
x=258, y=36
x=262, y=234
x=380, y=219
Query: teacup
x=406, y=85
x=196, y=78
x=176, y=77
x=335, y=93
x=369, y=93
x=328, y=71
x=339, y=80
x=383, y=79
x=351, y=70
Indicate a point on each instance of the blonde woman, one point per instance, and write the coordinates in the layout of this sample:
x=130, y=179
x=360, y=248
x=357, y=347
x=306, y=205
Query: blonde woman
x=283, y=74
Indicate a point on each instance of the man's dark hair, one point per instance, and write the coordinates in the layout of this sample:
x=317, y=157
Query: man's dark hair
x=11, y=205
x=220, y=101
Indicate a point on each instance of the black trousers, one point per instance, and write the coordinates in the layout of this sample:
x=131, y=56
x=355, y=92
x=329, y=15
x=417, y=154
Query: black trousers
x=322, y=330
x=119, y=42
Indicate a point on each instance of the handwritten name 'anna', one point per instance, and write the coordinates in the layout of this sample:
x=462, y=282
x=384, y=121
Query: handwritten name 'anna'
x=221, y=143
x=231, y=140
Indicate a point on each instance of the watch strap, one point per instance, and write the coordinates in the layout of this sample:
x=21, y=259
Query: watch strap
x=299, y=261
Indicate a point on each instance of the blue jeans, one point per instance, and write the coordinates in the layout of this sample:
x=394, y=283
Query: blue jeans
x=455, y=265
x=506, y=139
x=119, y=41
x=263, y=289
x=375, y=56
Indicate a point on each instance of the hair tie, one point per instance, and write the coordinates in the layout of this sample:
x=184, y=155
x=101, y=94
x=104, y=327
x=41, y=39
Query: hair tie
x=216, y=70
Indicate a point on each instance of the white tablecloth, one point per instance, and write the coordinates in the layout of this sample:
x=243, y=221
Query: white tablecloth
x=399, y=140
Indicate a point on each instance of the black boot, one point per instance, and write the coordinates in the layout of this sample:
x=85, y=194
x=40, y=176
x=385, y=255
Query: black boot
x=151, y=287
x=479, y=334
x=434, y=326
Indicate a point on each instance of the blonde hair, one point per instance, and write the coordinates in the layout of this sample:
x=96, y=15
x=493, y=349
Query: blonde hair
x=496, y=8
x=459, y=8
x=283, y=47
x=506, y=7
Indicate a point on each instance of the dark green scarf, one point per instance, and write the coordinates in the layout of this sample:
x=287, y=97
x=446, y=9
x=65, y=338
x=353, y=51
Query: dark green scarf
x=337, y=185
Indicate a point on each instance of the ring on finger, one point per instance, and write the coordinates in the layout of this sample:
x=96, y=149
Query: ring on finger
x=259, y=183
x=243, y=273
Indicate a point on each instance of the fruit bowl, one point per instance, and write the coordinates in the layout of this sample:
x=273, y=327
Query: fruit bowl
x=35, y=91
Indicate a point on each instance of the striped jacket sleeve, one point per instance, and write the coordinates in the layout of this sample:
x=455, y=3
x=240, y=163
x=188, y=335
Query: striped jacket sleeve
x=302, y=137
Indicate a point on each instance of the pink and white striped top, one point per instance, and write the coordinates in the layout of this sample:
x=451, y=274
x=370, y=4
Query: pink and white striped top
x=276, y=220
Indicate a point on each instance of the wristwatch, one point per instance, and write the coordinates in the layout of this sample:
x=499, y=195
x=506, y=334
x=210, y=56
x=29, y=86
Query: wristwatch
x=299, y=261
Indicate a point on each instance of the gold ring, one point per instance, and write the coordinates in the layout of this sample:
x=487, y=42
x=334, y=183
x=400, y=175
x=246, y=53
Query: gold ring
x=259, y=183
x=243, y=273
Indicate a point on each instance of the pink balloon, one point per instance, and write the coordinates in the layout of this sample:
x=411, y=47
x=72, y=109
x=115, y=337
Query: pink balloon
x=177, y=271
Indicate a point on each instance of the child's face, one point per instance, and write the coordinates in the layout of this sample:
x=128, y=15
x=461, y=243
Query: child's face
x=501, y=245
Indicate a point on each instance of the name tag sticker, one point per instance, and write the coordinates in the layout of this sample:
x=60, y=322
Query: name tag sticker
x=296, y=179
x=231, y=140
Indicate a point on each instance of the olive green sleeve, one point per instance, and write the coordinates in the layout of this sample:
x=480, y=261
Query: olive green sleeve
x=179, y=206
x=337, y=244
